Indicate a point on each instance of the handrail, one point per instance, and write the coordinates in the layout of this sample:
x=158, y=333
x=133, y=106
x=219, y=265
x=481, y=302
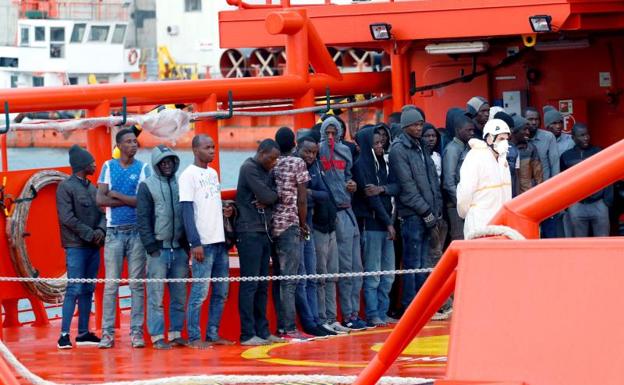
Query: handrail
x=524, y=213
x=241, y=4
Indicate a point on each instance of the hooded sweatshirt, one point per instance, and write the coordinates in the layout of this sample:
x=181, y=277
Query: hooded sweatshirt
x=372, y=169
x=484, y=186
x=336, y=162
x=159, y=214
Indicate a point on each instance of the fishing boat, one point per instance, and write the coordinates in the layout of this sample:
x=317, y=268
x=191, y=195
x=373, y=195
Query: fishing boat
x=526, y=311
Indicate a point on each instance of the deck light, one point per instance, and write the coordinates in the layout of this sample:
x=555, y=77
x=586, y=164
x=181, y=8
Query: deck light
x=457, y=48
x=380, y=31
x=541, y=23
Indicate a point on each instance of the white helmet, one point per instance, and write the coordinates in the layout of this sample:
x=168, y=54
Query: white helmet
x=495, y=127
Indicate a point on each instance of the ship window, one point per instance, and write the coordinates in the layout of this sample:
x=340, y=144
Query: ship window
x=73, y=80
x=119, y=33
x=24, y=35
x=99, y=33
x=78, y=33
x=57, y=50
x=13, y=81
x=8, y=62
x=37, y=81
x=39, y=33
x=57, y=34
x=192, y=5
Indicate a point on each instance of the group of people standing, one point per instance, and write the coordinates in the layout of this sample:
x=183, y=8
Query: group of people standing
x=305, y=204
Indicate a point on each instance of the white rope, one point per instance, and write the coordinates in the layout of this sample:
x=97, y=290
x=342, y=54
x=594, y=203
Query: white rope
x=494, y=231
x=182, y=118
x=219, y=279
x=32, y=378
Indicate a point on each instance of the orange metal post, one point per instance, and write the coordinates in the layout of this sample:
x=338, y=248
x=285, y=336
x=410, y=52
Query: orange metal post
x=210, y=128
x=306, y=120
x=5, y=158
x=399, y=85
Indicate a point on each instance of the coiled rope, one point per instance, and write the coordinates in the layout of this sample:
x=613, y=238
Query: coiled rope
x=47, y=291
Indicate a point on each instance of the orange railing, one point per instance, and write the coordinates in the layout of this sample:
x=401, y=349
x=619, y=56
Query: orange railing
x=74, y=10
x=242, y=4
x=524, y=213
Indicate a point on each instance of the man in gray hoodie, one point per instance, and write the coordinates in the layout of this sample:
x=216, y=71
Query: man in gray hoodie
x=336, y=162
x=159, y=221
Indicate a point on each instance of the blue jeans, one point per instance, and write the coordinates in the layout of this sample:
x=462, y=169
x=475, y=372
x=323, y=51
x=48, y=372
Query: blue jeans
x=215, y=264
x=288, y=249
x=81, y=263
x=169, y=263
x=416, y=249
x=120, y=243
x=349, y=261
x=305, y=295
x=586, y=216
x=378, y=255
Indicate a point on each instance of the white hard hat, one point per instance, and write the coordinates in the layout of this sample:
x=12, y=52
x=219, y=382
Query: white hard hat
x=495, y=127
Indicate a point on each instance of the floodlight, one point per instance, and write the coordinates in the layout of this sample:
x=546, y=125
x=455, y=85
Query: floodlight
x=541, y=23
x=380, y=31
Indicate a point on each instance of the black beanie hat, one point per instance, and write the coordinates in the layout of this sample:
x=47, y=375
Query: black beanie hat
x=285, y=138
x=79, y=158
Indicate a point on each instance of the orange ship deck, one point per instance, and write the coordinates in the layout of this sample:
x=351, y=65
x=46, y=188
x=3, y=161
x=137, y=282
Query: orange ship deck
x=36, y=348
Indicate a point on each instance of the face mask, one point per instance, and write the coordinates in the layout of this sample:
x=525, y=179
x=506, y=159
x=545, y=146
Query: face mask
x=501, y=147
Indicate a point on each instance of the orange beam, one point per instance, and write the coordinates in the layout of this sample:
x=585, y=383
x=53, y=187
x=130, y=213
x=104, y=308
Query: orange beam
x=210, y=128
x=187, y=91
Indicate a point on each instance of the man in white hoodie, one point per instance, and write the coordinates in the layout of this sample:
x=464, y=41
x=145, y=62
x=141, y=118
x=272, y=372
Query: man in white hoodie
x=485, y=181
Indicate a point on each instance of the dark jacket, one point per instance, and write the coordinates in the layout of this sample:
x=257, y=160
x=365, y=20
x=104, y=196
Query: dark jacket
x=159, y=214
x=254, y=184
x=371, y=169
x=78, y=214
x=575, y=156
x=324, y=207
x=452, y=158
x=415, y=172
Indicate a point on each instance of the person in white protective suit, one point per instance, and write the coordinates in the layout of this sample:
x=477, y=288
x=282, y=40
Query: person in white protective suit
x=485, y=181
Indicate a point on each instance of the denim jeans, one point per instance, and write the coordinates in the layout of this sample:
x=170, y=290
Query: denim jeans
x=123, y=242
x=305, y=295
x=215, y=264
x=254, y=251
x=586, y=216
x=378, y=255
x=416, y=249
x=349, y=260
x=326, y=262
x=81, y=263
x=169, y=263
x=288, y=248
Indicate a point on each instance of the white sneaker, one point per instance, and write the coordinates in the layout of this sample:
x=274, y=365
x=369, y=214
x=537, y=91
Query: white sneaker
x=339, y=329
x=442, y=314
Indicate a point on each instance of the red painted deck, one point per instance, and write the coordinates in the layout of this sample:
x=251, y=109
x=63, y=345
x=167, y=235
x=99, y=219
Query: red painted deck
x=36, y=348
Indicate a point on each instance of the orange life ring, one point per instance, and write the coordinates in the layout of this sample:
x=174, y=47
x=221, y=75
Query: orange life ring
x=133, y=56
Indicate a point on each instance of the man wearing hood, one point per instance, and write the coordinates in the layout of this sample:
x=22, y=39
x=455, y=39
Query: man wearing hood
x=159, y=220
x=485, y=181
x=419, y=202
x=202, y=211
x=553, y=121
x=375, y=190
x=453, y=157
x=478, y=109
x=337, y=162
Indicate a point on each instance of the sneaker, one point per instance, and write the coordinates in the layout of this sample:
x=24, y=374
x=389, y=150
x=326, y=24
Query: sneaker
x=200, y=345
x=375, y=322
x=220, y=341
x=255, y=341
x=137, y=341
x=296, y=336
x=64, y=342
x=353, y=324
x=179, y=341
x=338, y=328
x=317, y=333
x=390, y=320
x=106, y=342
x=161, y=345
x=327, y=329
x=275, y=339
x=442, y=314
x=87, y=339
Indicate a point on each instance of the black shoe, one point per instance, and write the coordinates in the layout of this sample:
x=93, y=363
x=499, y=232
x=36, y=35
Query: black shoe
x=64, y=342
x=87, y=339
x=318, y=333
x=327, y=330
